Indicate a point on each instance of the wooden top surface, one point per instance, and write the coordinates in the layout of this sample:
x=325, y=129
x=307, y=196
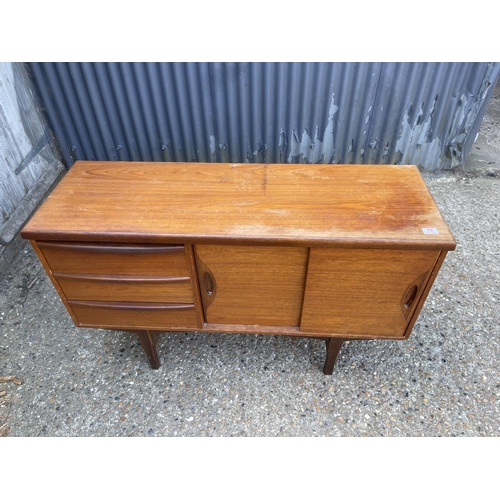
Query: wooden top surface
x=371, y=206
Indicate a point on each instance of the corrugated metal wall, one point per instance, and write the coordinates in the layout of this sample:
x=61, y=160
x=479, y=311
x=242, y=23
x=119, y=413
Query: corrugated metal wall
x=419, y=113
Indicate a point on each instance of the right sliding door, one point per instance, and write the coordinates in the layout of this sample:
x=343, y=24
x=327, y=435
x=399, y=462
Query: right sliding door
x=363, y=292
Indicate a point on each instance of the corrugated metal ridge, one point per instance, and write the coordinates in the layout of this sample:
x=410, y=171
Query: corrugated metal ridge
x=420, y=113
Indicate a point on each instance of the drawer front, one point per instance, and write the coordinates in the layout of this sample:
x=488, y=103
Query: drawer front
x=115, y=259
x=134, y=315
x=113, y=288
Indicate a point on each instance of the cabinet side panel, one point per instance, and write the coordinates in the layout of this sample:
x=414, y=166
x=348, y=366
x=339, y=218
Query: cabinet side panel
x=48, y=270
x=249, y=285
x=364, y=292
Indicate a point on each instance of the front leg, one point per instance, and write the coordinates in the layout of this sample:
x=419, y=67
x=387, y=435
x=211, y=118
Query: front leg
x=148, y=341
x=333, y=347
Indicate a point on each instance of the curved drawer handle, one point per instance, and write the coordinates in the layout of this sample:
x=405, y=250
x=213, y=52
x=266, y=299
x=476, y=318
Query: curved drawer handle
x=110, y=248
x=122, y=278
x=131, y=306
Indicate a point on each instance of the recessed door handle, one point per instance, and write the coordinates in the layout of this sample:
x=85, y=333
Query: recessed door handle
x=208, y=282
x=410, y=296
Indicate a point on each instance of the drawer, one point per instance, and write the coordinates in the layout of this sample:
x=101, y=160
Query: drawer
x=134, y=315
x=115, y=259
x=123, y=288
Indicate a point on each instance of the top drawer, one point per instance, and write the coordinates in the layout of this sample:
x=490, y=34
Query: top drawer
x=115, y=258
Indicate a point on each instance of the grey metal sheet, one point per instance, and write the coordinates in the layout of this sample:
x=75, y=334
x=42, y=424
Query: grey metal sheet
x=422, y=113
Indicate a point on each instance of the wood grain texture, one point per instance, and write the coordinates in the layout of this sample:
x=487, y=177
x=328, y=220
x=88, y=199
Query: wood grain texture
x=48, y=270
x=343, y=205
x=195, y=285
x=90, y=287
x=126, y=260
x=144, y=316
x=326, y=251
x=362, y=292
x=424, y=294
x=254, y=285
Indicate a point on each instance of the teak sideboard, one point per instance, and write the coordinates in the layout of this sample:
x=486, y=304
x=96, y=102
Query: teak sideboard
x=334, y=252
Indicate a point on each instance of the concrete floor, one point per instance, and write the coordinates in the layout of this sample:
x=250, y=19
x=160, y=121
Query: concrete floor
x=443, y=381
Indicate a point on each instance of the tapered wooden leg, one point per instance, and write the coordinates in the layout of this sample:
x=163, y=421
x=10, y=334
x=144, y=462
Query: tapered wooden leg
x=148, y=341
x=333, y=347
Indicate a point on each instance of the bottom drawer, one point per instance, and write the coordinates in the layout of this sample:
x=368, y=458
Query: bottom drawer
x=134, y=314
